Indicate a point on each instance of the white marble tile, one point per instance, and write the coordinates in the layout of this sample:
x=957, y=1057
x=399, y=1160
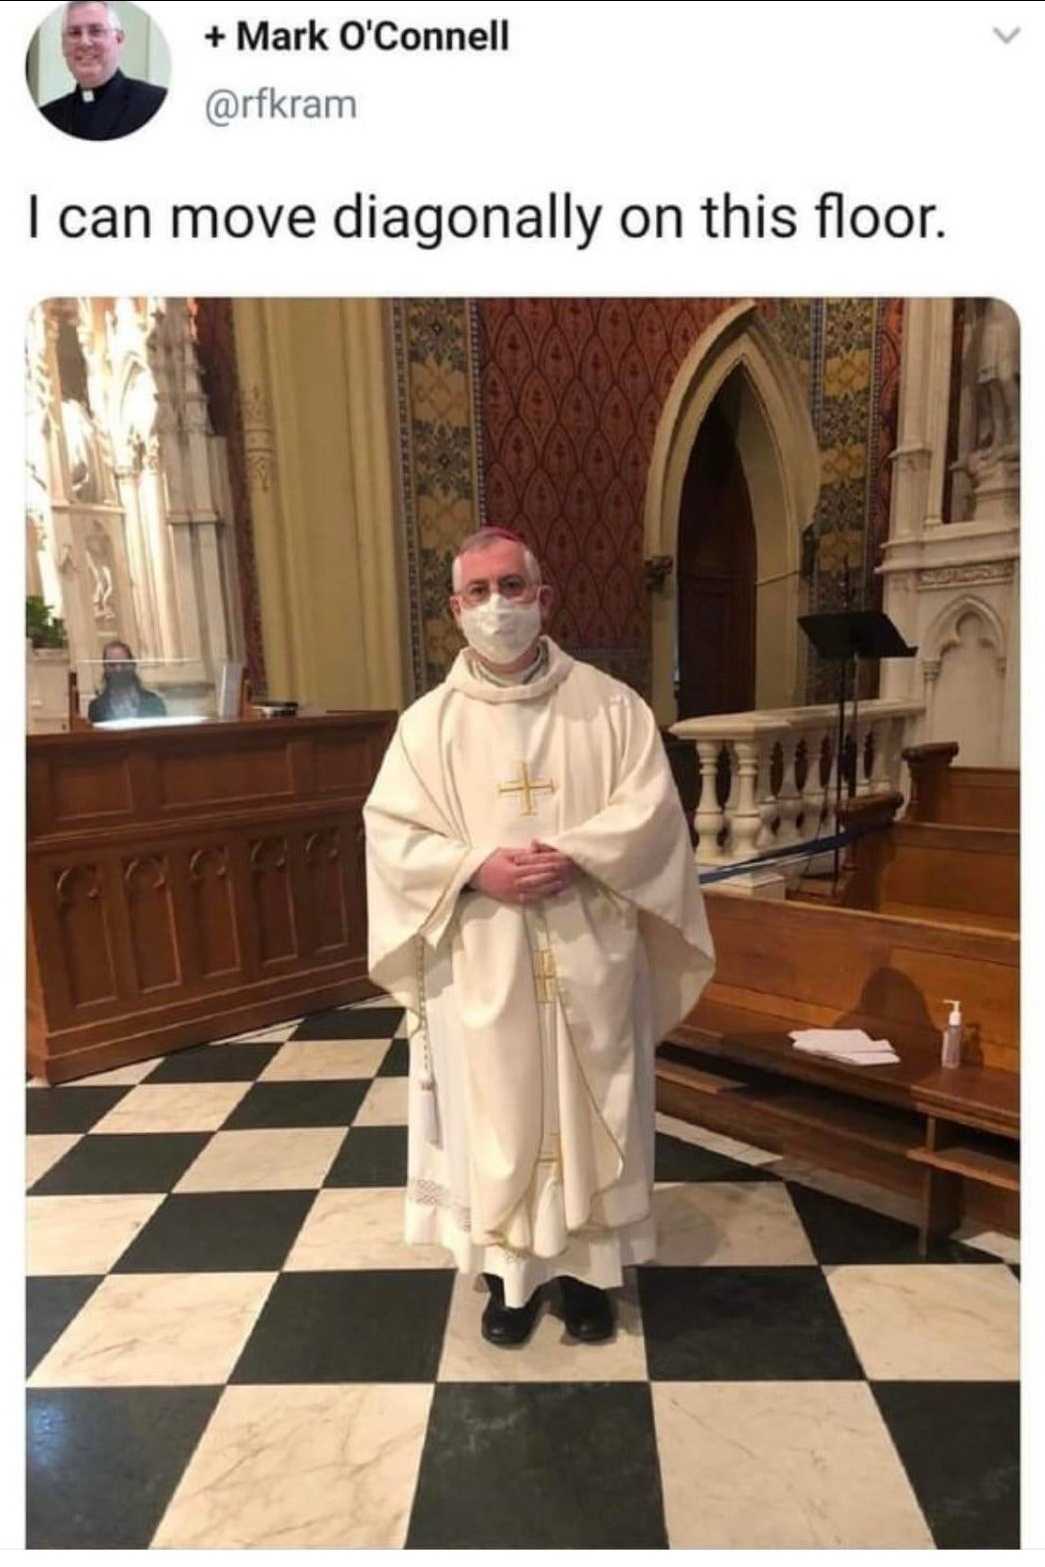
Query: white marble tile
x=173, y=1107
x=322, y=1060
x=385, y=1103
x=374, y=1001
x=329, y=1467
x=931, y=1321
x=895, y=1205
x=274, y=1033
x=66, y=1235
x=548, y=1355
x=359, y=1227
x=155, y=1329
x=781, y=1466
x=700, y=1137
x=117, y=1076
x=44, y=1149
x=1005, y=1247
x=287, y=1159
x=728, y=1224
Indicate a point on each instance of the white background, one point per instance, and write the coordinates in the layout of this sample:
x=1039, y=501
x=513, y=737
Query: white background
x=618, y=103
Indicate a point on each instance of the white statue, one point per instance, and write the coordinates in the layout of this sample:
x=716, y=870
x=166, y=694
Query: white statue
x=995, y=349
x=97, y=548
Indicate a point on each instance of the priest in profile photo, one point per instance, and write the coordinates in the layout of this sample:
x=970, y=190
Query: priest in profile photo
x=535, y=907
x=105, y=104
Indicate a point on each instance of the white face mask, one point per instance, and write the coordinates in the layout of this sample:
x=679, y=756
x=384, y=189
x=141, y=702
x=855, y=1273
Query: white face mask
x=501, y=629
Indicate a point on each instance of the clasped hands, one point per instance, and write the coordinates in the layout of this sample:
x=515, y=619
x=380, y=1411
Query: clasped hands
x=524, y=875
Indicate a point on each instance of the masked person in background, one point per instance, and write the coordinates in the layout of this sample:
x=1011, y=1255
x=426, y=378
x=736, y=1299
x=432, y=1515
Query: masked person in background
x=533, y=903
x=122, y=694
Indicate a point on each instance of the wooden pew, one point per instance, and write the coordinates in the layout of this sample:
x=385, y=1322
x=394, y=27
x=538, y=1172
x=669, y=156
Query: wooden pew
x=964, y=875
x=947, y=1138
x=960, y=796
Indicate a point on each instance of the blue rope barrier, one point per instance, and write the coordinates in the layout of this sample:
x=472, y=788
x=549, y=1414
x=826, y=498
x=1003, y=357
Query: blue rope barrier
x=773, y=856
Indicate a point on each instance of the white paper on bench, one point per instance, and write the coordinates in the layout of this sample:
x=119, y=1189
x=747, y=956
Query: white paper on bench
x=845, y=1044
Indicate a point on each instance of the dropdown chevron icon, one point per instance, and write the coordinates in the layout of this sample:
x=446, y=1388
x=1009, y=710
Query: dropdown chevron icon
x=1007, y=38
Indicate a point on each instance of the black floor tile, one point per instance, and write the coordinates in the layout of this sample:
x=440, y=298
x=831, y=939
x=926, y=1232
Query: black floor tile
x=547, y=1465
x=371, y=1156
x=743, y=1325
x=305, y=1103
x=242, y=1063
x=960, y=1445
x=122, y=1162
x=50, y=1306
x=344, y=1023
x=68, y=1109
x=1015, y=1268
x=842, y=1232
x=218, y=1232
x=103, y=1463
x=397, y=1061
x=380, y=1326
x=679, y=1161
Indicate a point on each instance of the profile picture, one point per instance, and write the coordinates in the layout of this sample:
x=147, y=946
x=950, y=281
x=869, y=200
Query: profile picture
x=98, y=71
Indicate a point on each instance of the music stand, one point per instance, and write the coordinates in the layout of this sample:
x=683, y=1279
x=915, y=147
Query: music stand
x=840, y=637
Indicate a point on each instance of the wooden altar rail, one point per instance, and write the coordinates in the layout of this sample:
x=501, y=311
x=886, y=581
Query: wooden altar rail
x=186, y=883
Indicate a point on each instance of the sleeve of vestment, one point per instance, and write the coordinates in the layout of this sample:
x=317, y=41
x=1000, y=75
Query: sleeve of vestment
x=638, y=848
x=417, y=865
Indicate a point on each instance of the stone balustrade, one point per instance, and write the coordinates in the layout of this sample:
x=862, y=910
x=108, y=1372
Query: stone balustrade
x=768, y=781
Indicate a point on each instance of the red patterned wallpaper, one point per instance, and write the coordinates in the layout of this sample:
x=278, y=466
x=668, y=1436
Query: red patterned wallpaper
x=571, y=392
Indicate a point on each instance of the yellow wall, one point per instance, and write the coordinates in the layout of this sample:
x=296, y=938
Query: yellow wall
x=320, y=443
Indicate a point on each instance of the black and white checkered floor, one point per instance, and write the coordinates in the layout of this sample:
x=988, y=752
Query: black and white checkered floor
x=230, y=1346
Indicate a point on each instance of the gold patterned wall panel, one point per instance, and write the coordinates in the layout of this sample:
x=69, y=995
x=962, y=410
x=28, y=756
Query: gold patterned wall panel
x=434, y=353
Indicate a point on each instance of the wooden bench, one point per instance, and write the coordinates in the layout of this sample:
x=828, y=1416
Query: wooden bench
x=960, y=796
x=937, y=871
x=950, y=1139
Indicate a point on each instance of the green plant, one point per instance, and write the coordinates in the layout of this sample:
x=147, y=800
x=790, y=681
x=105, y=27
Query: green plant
x=41, y=627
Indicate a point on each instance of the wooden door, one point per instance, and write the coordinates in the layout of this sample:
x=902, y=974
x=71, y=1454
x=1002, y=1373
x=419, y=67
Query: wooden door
x=716, y=578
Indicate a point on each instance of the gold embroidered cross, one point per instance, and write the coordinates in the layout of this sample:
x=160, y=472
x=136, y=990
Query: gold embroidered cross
x=544, y=973
x=527, y=788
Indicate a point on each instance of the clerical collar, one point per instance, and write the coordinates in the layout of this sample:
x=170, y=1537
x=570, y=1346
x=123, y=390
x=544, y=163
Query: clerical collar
x=518, y=677
x=92, y=94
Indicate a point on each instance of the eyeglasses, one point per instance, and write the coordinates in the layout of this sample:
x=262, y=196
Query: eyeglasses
x=513, y=587
x=94, y=32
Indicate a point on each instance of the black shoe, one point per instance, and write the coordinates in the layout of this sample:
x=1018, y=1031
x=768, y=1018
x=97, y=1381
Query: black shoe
x=587, y=1311
x=507, y=1325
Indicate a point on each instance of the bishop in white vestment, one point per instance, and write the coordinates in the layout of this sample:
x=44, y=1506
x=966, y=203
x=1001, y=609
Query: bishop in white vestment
x=533, y=1024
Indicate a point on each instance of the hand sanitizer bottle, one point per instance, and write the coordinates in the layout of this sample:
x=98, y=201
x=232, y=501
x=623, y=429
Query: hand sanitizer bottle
x=951, y=1054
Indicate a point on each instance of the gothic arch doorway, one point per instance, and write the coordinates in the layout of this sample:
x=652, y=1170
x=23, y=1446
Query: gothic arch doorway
x=715, y=573
x=738, y=369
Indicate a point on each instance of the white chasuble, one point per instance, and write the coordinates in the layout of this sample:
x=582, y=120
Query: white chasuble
x=537, y=1025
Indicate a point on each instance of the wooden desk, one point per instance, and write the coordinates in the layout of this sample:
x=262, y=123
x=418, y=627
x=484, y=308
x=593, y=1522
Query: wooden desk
x=193, y=881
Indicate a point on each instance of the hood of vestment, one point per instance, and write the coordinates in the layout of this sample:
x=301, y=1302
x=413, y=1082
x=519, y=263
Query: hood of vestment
x=464, y=677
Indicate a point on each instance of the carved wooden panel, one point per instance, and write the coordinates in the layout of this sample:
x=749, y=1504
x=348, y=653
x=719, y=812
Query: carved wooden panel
x=325, y=889
x=201, y=881
x=354, y=871
x=213, y=905
x=150, y=911
x=93, y=790
x=84, y=933
x=253, y=773
x=340, y=768
x=272, y=898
